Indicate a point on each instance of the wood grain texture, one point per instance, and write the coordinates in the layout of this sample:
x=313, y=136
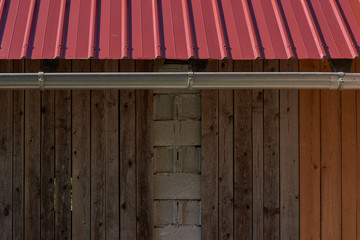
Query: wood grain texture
x=243, y=158
x=81, y=157
x=309, y=123
x=226, y=157
x=32, y=157
x=258, y=158
x=6, y=119
x=127, y=158
x=271, y=158
x=63, y=164
x=330, y=165
x=144, y=157
x=348, y=164
x=47, y=164
x=209, y=163
x=19, y=165
x=226, y=141
x=289, y=158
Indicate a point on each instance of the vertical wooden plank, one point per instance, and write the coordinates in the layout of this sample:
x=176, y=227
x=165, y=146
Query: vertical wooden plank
x=6, y=152
x=127, y=158
x=144, y=157
x=348, y=154
x=258, y=158
x=226, y=160
x=356, y=63
x=309, y=122
x=63, y=164
x=289, y=157
x=209, y=164
x=47, y=164
x=98, y=158
x=271, y=158
x=32, y=157
x=18, y=158
x=242, y=158
x=330, y=162
x=81, y=157
x=210, y=159
x=112, y=191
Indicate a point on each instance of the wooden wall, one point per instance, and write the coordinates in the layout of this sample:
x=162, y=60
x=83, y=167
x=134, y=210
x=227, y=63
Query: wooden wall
x=329, y=160
x=250, y=163
x=76, y=164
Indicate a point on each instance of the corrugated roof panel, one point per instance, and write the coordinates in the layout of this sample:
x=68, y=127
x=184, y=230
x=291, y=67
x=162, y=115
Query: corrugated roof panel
x=179, y=29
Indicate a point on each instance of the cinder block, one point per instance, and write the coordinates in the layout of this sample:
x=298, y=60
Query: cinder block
x=178, y=233
x=165, y=159
x=177, y=186
x=177, y=133
x=190, y=159
x=164, y=213
x=190, y=213
x=187, y=106
x=164, y=107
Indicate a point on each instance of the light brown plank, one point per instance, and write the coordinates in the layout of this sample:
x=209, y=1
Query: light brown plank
x=209, y=164
x=226, y=157
x=127, y=158
x=47, y=164
x=32, y=157
x=348, y=164
x=258, y=158
x=144, y=157
x=309, y=123
x=242, y=158
x=6, y=119
x=330, y=165
x=271, y=158
x=81, y=157
x=289, y=157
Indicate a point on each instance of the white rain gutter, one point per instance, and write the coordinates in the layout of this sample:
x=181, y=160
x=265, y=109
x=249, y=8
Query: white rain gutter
x=181, y=80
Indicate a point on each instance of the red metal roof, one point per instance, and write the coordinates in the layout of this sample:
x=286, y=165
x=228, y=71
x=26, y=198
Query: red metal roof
x=179, y=29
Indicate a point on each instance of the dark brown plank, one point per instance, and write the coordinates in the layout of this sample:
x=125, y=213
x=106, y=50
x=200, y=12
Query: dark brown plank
x=226, y=191
x=112, y=191
x=209, y=163
x=63, y=164
x=81, y=157
x=144, y=158
x=289, y=157
x=242, y=158
x=18, y=158
x=6, y=119
x=271, y=158
x=32, y=157
x=358, y=157
x=258, y=158
x=348, y=164
x=309, y=131
x=127, y=158
x=226, y=163
x=47, y=164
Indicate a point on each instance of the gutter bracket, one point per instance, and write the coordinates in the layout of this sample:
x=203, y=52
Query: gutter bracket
x=190, y=80
x=41, y=81
x=340, y=81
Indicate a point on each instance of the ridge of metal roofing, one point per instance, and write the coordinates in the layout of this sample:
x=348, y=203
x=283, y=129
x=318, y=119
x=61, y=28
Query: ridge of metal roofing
x=179, y=29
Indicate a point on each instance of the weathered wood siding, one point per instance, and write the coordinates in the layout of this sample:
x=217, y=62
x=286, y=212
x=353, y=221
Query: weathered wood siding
x=250, y=163
x=75, y=164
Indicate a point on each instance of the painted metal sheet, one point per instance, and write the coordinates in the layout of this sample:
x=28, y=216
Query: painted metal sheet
x=179, y=29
